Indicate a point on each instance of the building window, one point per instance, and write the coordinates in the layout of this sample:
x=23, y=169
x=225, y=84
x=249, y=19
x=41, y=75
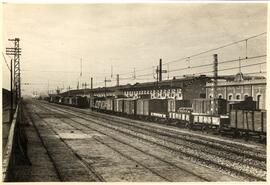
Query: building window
x=246, y=96
x=238, y=97
x=230, y=97
x=202, y=95
x=220, y=96
x=259, y=101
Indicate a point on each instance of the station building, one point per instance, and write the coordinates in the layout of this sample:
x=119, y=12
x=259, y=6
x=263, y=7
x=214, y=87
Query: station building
x=188, y=87
x=232, y=88
x=240, y=88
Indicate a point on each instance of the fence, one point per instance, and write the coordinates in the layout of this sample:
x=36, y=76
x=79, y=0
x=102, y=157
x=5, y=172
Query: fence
x=15, y=151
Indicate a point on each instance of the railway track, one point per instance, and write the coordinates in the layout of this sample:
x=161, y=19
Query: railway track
x=50, y=153
x=121, y=151
x=231, y=146
x=239, y=166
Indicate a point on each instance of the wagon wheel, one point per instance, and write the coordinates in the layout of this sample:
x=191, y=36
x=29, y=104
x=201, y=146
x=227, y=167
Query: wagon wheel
x=246, y=136
x=189, y=126
x=236, y=133
x=262, y=139
x=205, y=128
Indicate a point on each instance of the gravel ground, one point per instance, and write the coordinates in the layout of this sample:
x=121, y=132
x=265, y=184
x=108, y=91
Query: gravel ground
x=241, y=165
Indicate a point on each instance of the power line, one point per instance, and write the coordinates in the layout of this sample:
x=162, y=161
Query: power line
x=198, y=54
x=203, y=65
x=242, y=66
x=214, y=49
x=225, y=69
x=6, y=61
x=222, y=62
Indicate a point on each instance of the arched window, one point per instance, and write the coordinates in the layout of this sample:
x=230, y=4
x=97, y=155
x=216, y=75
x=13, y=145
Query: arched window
x=258, y=101
x=230, y=97
x=246, y=96
x=220, y=96
x=238, y=97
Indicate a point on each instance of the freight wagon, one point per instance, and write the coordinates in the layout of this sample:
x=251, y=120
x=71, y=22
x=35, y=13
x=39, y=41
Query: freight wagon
x=130, y=107
x=158, y=109
x=142, y=110
x=214, y=114
x=81, y=102
x=118, y=104
x=209, y=114
x=248, y=122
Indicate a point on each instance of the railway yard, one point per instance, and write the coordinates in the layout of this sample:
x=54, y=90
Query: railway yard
x=144, y=92
x=83, y=145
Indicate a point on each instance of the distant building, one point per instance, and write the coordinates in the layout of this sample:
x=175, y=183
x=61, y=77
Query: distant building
x=185, y=88
x=188, y=87
x=239, y=89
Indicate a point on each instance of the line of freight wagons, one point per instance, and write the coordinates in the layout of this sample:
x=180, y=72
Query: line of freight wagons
x=238, y=117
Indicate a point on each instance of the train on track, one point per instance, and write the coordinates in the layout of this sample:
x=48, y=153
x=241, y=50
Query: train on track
x=226, y=117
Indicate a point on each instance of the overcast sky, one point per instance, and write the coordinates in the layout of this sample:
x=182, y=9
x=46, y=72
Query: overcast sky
x=127, y=36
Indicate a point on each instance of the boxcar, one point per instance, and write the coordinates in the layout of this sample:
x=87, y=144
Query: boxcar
x=129, y=107
x=206, y=106
x=118, y=105
x=142, y=108
x=212, y=121
x=183, y=115
x=158, y=108
x=99, y=103
x=81, y=102
x=174, y=105
x=66, y=101
x=248, y=121
x=91, y=102
x=247, y=104
x=109, y=104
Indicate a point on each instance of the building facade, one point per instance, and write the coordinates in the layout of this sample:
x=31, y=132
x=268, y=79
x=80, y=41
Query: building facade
x=239, y=89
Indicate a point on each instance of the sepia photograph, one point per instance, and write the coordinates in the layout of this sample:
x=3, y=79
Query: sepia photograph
x=134, y=92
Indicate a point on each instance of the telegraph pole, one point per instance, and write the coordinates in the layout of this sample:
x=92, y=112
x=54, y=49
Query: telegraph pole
x=81, y=68
x=111, y=71
x=134, y=73
x=239, y=62
x=215, y=65
x=11, y=87
x=91, y=83
x=117, y=80
x=16, y=52
x=160, y=70
x=105, y=85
